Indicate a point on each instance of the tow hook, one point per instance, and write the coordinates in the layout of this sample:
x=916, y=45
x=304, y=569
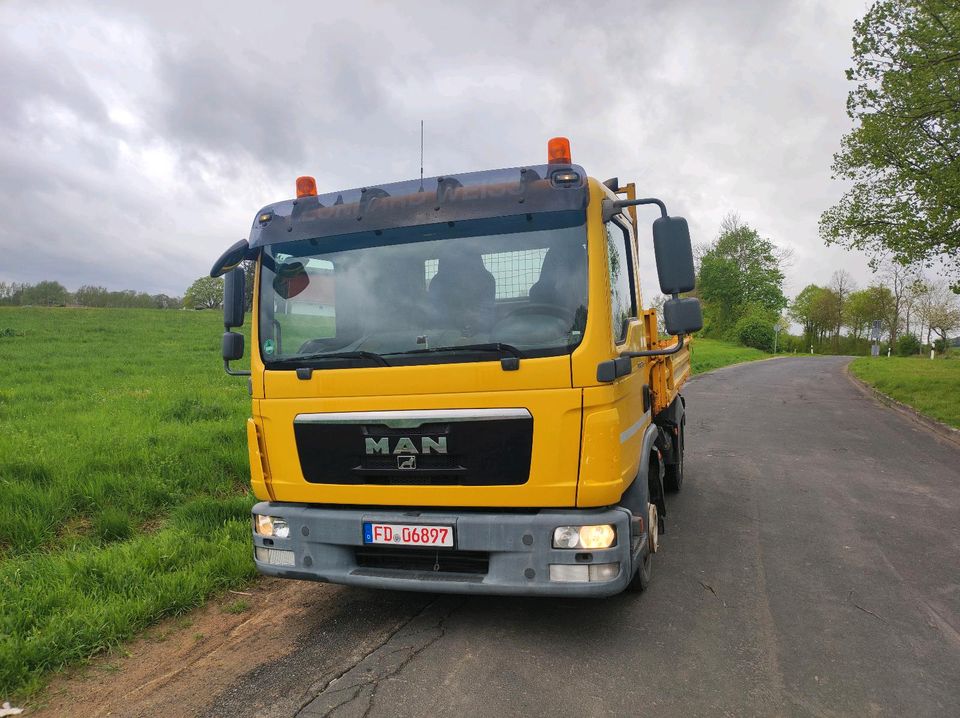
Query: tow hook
x=653, y=528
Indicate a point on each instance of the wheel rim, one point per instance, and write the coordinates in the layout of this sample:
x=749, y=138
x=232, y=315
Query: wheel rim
x=653, y=528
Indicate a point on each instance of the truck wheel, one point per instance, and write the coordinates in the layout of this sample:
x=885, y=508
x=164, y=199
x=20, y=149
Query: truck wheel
x=673, y=473
x=644, y=572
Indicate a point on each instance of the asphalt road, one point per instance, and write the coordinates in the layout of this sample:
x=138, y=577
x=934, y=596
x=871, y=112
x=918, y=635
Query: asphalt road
x=811, y=566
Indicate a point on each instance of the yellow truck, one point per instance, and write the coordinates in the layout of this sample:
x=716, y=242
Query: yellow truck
x=454, y=385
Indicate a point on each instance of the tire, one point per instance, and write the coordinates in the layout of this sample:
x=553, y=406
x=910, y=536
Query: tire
x=673, y=473
x=644, y=572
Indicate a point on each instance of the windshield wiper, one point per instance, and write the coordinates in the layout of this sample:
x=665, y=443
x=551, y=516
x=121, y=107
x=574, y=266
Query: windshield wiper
x=322, y=356
x=486, y=347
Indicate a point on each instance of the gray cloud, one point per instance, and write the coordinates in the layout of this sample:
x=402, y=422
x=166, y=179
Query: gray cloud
x=136, y=144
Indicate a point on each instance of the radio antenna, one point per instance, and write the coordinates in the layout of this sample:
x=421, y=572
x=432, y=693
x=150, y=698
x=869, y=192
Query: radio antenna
x=421, y=155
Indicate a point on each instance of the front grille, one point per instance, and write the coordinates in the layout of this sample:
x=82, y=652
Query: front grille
x=423, y=560
x=473, y=452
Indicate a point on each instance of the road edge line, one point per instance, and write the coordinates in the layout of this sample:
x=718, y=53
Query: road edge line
x=937, y=427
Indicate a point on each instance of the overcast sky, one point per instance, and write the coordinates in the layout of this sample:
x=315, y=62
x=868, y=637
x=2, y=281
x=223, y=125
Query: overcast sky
x=138, y=139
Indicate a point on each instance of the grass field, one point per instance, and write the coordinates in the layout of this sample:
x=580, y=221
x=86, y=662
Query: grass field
x=931, y=387
x=123, y=472
x=707, y=354
x=124, y=481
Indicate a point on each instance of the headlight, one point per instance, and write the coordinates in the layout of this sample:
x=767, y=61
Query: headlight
x=566, y=537
x=584, y=537
x=271, y=526
x=602, y=536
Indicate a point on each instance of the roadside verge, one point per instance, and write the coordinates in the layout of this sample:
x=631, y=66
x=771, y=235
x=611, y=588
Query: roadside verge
x=946, y=432
x=180, y=665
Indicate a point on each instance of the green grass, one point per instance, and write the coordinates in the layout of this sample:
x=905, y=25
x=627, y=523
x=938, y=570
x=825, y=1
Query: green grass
x=238, y=606
x=707, y=354
x=123, y=476
x=931, y=387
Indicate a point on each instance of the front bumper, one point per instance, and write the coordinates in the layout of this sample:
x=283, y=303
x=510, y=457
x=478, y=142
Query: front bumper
x=517, y=548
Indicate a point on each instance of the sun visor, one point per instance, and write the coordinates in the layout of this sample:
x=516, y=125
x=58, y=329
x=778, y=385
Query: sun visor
x=451, y=198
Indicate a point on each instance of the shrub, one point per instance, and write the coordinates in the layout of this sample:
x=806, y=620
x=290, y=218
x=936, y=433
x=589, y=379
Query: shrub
x=788, y=344
x=907, y=345
x=755, y=330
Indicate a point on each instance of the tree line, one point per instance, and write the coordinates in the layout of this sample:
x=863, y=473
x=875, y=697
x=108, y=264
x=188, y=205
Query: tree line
x=740, y=277
x=203, y=293
x=915, y=313
x=53, y=294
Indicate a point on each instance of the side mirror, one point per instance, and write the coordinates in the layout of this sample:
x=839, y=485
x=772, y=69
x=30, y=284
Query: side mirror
x=682, y=316
x=674, y=254
x=233, y=297
x=232, y=346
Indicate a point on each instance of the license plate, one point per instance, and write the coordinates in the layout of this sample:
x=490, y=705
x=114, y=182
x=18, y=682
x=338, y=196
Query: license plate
x=408, y=535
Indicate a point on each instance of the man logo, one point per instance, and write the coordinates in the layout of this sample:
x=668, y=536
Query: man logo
x=405, y=445
x=406, y=462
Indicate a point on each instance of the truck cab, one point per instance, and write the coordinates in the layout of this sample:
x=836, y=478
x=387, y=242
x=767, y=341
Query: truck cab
x=454, y=385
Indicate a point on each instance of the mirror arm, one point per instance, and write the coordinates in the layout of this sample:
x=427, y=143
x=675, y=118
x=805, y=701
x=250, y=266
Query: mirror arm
x=612, y=207
x=233, y=372
x=657, y=352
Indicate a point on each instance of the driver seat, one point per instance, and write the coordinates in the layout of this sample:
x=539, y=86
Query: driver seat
x=563, y=278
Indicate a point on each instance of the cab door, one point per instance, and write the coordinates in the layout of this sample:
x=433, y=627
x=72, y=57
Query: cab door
x=615, y=417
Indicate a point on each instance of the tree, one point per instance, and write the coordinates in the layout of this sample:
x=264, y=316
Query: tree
x=884, y=305
x=802, y=310
x=941, y=311
x=903, y=155
x=162, y=301
x=860, y=313
x=923, y=299
x=825, y=309
x=10, y=293
x=816, y=308
x=89, y=296
x=841, y=284
x=898, y=280
x=46, y=294
x=205, y=293
x=740, y=269
x=916, y=289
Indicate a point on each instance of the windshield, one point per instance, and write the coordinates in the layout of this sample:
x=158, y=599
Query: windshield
x=436, y=293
